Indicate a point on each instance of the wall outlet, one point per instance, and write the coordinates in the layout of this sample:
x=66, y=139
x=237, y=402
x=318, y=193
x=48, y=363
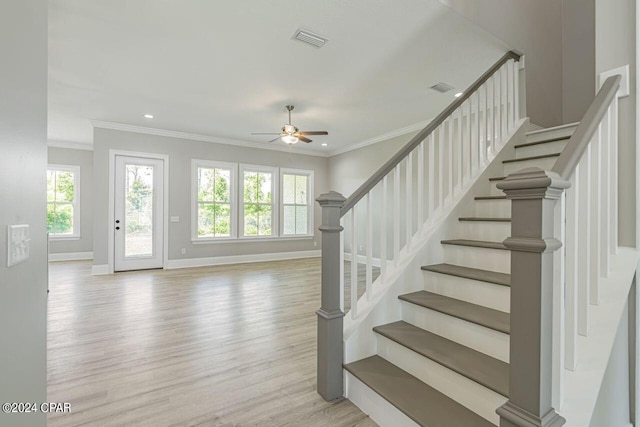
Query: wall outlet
x=17, y=244
x=315, y=243
x=183, y=251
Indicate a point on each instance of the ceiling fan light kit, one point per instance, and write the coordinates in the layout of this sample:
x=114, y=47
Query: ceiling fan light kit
x=290, y=134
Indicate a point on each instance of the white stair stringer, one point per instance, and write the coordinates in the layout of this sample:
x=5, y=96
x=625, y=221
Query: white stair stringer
x=480, y=338
x=467, y=392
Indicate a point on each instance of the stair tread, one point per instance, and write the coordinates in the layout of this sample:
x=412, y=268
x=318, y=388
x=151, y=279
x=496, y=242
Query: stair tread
x=479, y=367
x=419, y=401
x=491, y=198
x=497, y=178
x=522, y=159
x=470, y=273
x=544, y=141
x=483, y=218
x=488, y=317
x=475, y=243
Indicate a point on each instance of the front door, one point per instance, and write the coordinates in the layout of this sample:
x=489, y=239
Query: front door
x=139, y=215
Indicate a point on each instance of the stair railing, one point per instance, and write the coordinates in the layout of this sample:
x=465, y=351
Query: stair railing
x=385, y=217
x=575, y=205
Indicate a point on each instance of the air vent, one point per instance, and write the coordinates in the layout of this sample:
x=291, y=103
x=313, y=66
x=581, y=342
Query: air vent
x=441, y=87
x=309, y=38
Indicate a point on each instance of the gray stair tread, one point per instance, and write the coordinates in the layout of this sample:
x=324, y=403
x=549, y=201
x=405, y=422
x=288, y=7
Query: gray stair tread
x=497, y=178
x=475, y=243
x=479, y=367
x=470, y=273
x=544, y=141
x=522, y=159
x=491, y=198
x=419, y=401
x=487, y=317
x=482, y=218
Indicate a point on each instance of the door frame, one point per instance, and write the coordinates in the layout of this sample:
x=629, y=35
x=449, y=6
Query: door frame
x=111, y=211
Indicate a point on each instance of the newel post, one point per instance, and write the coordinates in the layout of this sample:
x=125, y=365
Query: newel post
x=330, y=317
x=533, y=193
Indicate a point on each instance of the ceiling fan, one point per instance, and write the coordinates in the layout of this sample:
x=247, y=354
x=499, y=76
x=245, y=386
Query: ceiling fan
x=291, y=134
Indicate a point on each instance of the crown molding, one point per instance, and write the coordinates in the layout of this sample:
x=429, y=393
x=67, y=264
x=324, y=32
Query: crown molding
x=71, y=145
x=385, y=136
x=199, y=137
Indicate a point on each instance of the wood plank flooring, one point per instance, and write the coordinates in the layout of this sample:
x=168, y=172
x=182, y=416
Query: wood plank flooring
x=215, y=346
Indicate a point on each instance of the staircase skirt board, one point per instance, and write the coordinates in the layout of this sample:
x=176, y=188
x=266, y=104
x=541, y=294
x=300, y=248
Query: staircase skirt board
x=489, y=318
x=420, y=402
x=485, y=370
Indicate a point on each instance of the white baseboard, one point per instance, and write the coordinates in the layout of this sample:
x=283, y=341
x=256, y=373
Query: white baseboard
x=239, y=259
x=71, y=256
x=97, y=270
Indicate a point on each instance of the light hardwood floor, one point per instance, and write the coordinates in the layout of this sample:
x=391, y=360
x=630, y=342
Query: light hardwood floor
x=217, y=346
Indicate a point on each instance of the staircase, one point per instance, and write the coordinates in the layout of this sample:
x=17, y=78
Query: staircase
x=446, y=363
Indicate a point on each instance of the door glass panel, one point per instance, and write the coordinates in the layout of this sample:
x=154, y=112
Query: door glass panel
x=138, y=222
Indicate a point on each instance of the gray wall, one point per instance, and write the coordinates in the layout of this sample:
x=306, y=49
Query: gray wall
x=535, y=28
x=84, y=159
x=615, y=46
x=578, y=58
x=23, y=140
x=180, y=152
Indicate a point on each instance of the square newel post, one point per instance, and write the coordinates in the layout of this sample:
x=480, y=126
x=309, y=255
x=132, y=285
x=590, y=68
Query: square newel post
x=533, y=193
x=330, y=316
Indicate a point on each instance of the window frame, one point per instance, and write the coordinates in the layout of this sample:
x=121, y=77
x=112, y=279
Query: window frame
x=275, y=185
x=233, y=199
x=310, y=197
x=76, y=227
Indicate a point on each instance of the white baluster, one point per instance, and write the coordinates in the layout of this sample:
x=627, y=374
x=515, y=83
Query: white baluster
x=493, y=114
x=614, y=178
x=369, y=247
x=510, y=95
x=409, y=200
x=558, y=303
x=354, y=265
x=432, y=178
x=593, y=261
x=485, y=144
x=383, y=231
x=571, y=267
x=420, y=186
x=342, y=266
x=460, y=150
x=605, y=198
x=478, y=143
x=500, y=105
x=396, y=214
x=450, y=151
x=584, y=228
x=470, y=135
x=440, y=167
x=516, y=90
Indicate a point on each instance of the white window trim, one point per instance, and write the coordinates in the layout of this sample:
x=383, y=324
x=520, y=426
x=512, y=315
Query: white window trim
x=310, y=196
x=76, y=235
x=233, y=167
x=275, y=200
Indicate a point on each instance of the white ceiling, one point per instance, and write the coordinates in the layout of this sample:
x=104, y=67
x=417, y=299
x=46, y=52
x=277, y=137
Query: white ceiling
x=227, y=68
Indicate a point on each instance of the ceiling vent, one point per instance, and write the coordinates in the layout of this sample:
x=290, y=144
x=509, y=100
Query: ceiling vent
x=309, y=38
x=441, y=87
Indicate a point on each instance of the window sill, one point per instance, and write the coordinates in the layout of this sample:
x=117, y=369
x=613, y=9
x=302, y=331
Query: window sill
x=251, y=239
x=63, y=238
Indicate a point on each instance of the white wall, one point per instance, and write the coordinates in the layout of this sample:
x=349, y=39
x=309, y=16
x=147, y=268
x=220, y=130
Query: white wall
x=23, y=139
x=615, y=46
x=181, y=152
x=84, y=159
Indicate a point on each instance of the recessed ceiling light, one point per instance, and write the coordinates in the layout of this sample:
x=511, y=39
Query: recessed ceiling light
x=148, y=116
x=324, y=144
x=458, y=95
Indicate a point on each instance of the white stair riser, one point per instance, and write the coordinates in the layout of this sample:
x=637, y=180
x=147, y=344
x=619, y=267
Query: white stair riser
x=374, y=405
x=466, y=392
x=545, y=164
x=493, y=208
x=483, y=230
x=550, y=133
x=473, y=291
x=540, y=149
x=487, y=259
x=485, y=340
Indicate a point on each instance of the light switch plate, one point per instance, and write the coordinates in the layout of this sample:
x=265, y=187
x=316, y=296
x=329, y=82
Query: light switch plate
x=175, y=219
x=17, y=244
x=624, y=83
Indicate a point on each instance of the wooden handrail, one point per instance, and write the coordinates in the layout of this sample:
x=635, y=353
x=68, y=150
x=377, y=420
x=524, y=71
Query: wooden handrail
x=579, y=141
x=424, y=133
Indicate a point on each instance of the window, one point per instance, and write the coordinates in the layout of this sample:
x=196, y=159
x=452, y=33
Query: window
x=297, y=207
x=63, y=201
x=214, y=211
x=259, y=197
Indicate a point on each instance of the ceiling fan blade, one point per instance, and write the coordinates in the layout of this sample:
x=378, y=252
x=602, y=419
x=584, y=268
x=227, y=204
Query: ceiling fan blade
x=314, y=132
x=302, y=138
x=265, y=133
x=274, y=139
